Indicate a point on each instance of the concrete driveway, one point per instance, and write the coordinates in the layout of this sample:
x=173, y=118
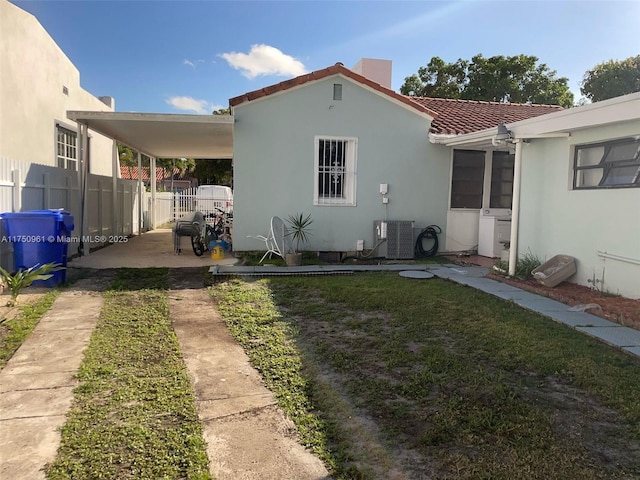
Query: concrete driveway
x=150, y=249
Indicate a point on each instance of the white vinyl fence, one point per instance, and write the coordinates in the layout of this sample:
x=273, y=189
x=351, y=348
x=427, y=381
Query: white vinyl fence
x=190, y=200
x=29, y=186
x=164, y=207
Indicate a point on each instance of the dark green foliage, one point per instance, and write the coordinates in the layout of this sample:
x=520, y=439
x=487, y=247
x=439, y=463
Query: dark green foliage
x=518, y=79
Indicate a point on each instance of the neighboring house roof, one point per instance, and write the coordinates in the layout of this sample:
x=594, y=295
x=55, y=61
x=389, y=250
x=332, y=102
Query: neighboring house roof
x=337, y=69
x=465, y=116
x=450, y=117
x=131, y=173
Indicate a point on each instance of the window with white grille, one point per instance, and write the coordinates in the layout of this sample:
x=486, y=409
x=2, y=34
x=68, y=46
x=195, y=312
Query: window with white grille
x=67, y=150
x=335, y=171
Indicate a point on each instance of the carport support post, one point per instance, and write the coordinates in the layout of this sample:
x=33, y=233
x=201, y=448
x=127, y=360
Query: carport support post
x=83, y=172
x=115, y=162
x=140, y=206
x=152, y=207
x=515, y=208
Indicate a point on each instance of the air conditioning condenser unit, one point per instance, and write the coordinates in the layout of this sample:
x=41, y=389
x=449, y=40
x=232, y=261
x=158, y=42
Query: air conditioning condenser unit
x=394, y=239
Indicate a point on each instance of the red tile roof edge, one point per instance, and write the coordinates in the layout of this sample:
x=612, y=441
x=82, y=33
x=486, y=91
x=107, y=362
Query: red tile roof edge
x=131, y=173
x=485, y=102
x=337, y=69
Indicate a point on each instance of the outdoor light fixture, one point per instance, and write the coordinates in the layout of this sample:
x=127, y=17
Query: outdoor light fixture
x=503, y=135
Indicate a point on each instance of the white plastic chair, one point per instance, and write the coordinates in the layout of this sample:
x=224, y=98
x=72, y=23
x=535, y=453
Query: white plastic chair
x=277, y=240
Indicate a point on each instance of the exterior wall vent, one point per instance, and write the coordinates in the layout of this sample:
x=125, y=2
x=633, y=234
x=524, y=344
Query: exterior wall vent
x=65, y=90
x=337, y=91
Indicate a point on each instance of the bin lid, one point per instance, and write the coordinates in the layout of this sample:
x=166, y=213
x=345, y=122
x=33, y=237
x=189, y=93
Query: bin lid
x=60, y=215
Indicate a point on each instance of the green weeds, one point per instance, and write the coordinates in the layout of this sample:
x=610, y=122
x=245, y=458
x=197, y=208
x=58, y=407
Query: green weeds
x=134, y=413
x=386, y=377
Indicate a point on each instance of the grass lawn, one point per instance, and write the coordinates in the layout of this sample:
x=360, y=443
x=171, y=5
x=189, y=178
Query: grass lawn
x=387, y=377
x=134, y=413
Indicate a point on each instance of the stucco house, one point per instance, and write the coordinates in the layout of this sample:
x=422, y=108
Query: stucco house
x=38, y=85
x=340, y=145
x=47, y=160
x=578, y=173
x=355, y=154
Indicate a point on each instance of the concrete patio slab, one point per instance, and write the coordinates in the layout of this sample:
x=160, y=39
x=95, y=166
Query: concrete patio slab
x=150, y=249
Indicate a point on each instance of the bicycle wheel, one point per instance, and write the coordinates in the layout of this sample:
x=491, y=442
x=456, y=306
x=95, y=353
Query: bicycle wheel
x=197, y=244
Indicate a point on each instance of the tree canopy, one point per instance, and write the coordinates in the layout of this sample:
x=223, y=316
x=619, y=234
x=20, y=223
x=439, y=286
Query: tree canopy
x=213, y=172
x=129, y=158
x=612, y=79
x=519, y=79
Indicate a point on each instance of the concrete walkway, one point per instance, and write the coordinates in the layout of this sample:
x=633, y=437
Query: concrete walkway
x=248, y=437
x=36, y=385
x=614, y=334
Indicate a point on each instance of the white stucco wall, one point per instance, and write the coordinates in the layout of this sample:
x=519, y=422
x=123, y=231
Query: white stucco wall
x=555, y=219
x=33, y=72
x=274, y=164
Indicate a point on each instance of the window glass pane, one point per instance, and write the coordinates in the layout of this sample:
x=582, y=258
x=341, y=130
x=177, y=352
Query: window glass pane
x=331, y=168
x=622, y=151
x=335, y=161
x=621, y=175
x=586, y=156
x=501, y=180
x=588, y=178
x=467, y=179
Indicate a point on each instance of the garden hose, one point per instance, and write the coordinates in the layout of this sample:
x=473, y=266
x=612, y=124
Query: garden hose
x=430, y=233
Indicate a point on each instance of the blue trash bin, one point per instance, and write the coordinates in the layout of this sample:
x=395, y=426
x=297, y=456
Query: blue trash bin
x=39, y=237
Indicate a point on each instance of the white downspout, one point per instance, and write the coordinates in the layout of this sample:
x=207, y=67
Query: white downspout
x=515, y=209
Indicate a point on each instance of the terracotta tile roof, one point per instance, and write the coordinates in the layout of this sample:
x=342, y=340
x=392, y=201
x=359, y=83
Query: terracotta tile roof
x=450, y=116
x=131, y=173
x=466, y=116
x=336, y=69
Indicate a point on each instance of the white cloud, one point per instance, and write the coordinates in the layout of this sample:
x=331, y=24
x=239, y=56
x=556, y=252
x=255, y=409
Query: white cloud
x=191, y=104
x=193, y=63
x=264, y=60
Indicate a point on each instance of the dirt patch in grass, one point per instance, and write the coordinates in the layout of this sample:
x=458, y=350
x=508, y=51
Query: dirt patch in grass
x=615, y=308
x=455, y=384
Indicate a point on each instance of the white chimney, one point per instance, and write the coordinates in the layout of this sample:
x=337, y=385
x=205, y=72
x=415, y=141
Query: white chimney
x=375, y=69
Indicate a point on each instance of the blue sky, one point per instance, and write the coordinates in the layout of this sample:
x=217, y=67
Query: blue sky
x=192, y=56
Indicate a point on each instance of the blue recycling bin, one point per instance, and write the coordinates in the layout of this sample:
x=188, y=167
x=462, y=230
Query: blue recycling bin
x=39, y=237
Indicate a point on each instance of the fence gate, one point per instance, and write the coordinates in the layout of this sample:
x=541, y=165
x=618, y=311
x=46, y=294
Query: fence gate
x=190, y=200
x=184, y=202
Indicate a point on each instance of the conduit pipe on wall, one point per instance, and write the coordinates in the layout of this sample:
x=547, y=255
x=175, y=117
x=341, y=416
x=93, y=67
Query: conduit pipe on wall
x=515, y=208
x=620, y=258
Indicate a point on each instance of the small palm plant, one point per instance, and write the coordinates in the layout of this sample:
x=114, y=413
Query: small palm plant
x=25, y=277
x=299, y=228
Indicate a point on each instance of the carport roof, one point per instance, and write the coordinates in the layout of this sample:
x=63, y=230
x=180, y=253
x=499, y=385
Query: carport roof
x=164, y=135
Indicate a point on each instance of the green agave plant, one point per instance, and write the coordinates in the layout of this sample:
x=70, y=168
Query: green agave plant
x=299, y=228
x=25, y=277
